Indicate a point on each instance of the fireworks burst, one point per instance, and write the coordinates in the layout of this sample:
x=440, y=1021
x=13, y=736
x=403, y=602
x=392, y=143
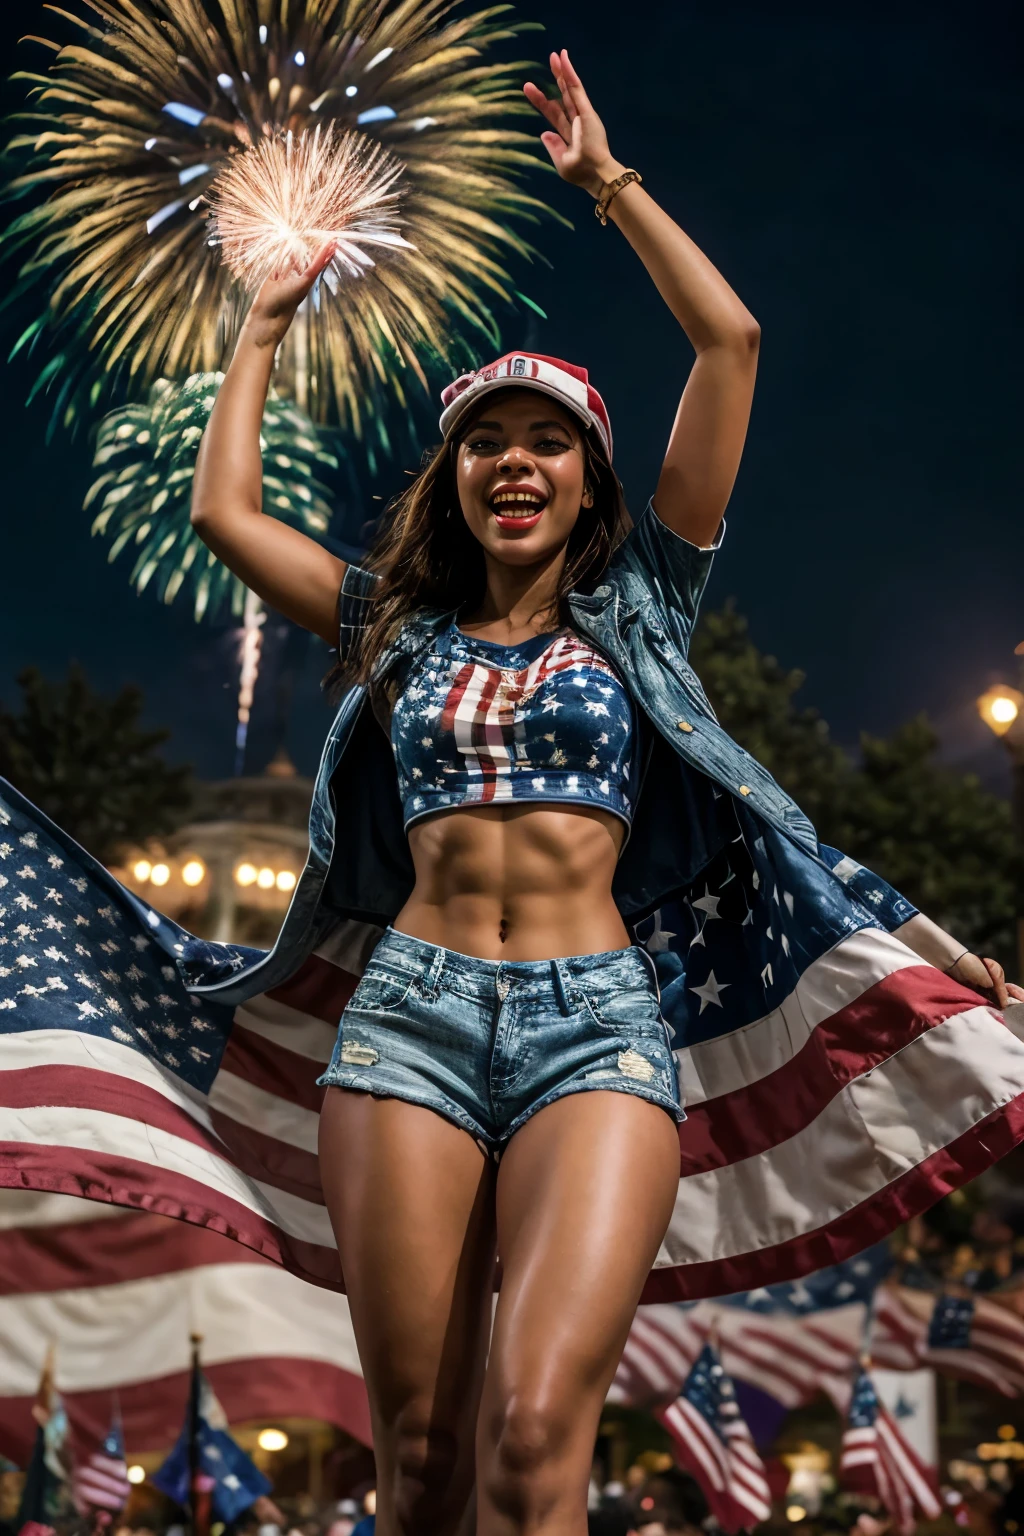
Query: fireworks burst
x=276, y=205
x=147, y=456
x=130, y=127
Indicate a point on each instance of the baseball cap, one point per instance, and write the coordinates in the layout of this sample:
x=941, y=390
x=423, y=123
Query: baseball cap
x=550, y=375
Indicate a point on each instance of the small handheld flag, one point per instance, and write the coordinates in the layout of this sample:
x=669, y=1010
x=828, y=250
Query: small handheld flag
x=876, y=1460
x=713, y=1442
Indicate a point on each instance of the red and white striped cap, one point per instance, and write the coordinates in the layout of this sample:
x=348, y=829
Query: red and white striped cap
x=550, y=375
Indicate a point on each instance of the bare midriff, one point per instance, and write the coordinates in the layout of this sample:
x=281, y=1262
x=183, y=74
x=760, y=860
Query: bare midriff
x=526, y=882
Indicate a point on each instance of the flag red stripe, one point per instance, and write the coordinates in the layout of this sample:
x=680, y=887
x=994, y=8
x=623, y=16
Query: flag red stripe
x=63, y=1170
x=945, y=1170
x=269, y=1066
x=135, y=1246
x=273, y=1162
x=888, y=1016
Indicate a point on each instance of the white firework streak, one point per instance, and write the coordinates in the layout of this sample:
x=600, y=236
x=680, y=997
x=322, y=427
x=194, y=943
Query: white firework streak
x=276, y=205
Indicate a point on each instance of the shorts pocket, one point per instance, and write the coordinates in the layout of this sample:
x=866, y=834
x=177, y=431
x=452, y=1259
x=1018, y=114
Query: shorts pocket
x=634, y=1013
x=380, y=990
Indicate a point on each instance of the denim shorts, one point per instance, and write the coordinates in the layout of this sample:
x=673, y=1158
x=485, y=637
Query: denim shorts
x=487, y=1043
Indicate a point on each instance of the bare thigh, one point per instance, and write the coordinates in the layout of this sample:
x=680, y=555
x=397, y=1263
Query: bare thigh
x=585, y=1194
x=411, y=1200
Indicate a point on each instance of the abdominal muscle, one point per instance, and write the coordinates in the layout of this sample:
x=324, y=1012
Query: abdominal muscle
x=516, y=882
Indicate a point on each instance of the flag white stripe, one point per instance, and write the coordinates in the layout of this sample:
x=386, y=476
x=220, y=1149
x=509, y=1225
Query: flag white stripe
x=117, y=1136
x=287, y=1027
x=880, y=1126
x=135, y=1331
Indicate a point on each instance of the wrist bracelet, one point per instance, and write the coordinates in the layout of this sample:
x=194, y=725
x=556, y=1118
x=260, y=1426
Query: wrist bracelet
x=956, y=962
x=610, y=189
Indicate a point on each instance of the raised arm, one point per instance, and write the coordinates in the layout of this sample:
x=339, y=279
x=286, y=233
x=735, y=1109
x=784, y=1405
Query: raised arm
x=706, y=442
x=291, y=572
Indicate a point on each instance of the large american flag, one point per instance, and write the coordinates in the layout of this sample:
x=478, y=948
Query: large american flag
x=829, y=1096
x=713, y=1443
x=120, y=1292
x=877, y=1461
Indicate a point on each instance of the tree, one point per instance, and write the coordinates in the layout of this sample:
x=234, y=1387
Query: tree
x=84, y=761
x=938, y=836
x=753, y=696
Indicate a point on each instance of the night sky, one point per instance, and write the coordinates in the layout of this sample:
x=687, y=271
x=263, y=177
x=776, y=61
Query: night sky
x=854, y=170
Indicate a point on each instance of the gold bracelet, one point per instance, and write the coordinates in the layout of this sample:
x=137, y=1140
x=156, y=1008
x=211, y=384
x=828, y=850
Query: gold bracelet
x=609, y=189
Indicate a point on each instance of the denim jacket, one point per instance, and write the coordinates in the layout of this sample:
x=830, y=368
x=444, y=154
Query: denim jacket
x=641, y=616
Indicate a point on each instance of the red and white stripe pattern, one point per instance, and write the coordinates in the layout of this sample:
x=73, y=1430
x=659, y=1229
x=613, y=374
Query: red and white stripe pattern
x=483, y=703
x=993, y=1356
x=875, y=1088
x=120, y=1291
x=877, y=1461
x=100, y=1482
x=713, y=1442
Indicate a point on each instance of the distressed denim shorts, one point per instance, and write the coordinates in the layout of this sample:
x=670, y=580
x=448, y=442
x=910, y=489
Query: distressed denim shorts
x=487, y=1043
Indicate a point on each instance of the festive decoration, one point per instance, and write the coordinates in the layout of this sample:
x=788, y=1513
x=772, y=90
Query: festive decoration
x=131, y=126
x=147, y=455
x=278, y=204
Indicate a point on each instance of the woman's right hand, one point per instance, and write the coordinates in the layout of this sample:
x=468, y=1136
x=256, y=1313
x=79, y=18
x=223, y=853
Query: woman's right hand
x=275, y=306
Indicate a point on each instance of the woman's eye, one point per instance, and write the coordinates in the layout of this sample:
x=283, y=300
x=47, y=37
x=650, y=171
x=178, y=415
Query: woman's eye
x=554, y=443
x=483, y=445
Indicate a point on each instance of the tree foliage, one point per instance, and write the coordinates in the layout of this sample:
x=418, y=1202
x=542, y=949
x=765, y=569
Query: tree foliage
x=938, y=836
x=83, y=759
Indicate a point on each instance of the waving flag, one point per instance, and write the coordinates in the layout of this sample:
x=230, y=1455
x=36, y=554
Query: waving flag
x=847, y=1088
x=232, y=1479
x=714, y=1444
x=876, y=1460
x=122, y=1290
x=971, y=1337
x=101, y=1481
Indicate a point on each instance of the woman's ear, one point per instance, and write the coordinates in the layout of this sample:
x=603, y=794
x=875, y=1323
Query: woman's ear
x=588, y=496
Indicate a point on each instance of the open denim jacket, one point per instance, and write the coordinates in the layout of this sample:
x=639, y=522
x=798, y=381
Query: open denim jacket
x=641, y=616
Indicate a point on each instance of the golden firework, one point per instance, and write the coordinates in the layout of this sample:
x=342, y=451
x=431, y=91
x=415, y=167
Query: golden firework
x=130, y=126
x=274, y=207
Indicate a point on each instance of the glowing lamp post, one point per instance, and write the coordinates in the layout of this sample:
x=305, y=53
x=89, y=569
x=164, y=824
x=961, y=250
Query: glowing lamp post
x=1002, y=709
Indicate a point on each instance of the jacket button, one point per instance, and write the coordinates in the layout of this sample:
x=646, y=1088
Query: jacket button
x=684, y=725
x=744, y=789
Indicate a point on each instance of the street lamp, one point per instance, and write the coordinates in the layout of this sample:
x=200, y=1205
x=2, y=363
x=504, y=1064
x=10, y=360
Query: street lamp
x=1002, y=709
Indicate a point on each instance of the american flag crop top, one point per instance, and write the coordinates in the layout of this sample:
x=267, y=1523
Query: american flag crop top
x=479, y=723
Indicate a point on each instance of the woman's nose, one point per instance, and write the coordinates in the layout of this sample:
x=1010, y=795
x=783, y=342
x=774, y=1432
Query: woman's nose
x=515, y=458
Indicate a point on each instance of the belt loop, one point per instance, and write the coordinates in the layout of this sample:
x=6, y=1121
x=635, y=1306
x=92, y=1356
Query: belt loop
x=432, y=980
x=651, y=968
x=561, y=988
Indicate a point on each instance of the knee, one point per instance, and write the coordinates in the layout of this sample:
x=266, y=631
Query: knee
x=530, y=1439
x=426, y=1459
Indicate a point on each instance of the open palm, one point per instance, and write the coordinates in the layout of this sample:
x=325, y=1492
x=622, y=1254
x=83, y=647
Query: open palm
x=576, y=141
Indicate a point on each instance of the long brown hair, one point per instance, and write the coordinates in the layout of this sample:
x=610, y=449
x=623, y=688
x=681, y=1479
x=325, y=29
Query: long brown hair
x=426, y=556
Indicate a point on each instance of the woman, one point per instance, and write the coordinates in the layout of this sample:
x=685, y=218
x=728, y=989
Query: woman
x=523, y=768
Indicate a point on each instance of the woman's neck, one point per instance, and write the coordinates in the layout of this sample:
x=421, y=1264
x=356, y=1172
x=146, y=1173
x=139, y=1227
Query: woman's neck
x=519, y=601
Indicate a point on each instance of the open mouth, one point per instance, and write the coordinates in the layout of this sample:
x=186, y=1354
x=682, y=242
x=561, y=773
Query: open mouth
x=517, y=508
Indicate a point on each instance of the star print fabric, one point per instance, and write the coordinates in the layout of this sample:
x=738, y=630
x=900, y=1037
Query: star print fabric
x=78, y=953
x=546, y=720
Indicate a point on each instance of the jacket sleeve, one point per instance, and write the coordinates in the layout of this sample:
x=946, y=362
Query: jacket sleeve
x=890, y=908
x=354, y=606
x=674, y=571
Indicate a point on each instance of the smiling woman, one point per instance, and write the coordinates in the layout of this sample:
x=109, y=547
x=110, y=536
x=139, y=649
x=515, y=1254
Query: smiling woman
x=571, y=900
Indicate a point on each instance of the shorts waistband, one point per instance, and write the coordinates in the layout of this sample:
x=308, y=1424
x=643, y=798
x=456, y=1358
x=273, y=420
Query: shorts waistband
x=435, y=967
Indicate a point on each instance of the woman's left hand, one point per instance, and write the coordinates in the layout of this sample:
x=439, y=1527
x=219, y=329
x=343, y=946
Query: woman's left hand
x=986, y=975
x=578, y=144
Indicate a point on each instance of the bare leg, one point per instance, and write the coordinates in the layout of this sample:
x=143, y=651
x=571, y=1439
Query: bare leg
x=585, y=1193
x=411, y=1199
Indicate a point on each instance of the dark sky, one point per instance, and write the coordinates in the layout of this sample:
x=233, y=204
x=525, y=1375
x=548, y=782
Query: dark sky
x=854, y=170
